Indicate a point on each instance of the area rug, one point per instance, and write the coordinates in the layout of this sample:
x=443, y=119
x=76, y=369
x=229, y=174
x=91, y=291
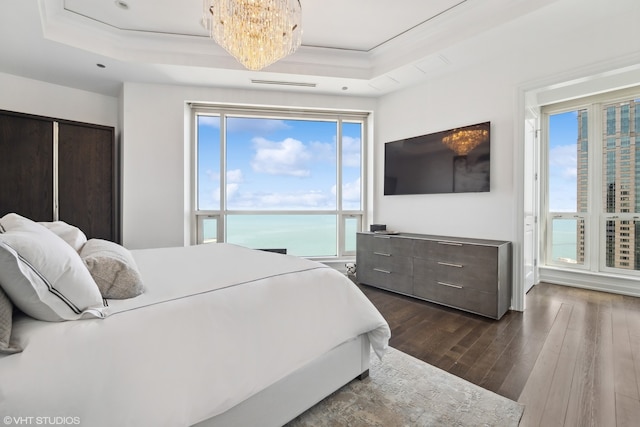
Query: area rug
x=404, y=391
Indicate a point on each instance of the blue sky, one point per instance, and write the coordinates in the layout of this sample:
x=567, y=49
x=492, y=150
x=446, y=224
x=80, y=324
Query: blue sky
x=278, y=164
x=563, y=137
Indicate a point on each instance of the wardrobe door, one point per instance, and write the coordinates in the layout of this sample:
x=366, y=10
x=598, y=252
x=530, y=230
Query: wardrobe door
x=26, y=166
x=86, y=179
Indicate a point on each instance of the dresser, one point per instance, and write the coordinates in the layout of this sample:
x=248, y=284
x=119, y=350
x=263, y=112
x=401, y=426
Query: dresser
x=468, y=274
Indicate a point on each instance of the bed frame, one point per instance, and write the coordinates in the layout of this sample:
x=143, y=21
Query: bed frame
x=294, y=394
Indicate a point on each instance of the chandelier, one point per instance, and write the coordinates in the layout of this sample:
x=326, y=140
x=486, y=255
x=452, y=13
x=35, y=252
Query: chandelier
x=462, y=141
x=255, y=32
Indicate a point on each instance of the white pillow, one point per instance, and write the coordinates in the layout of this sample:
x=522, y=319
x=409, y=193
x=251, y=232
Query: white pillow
x=113, y=268
x=70, y=234
x=44, y=276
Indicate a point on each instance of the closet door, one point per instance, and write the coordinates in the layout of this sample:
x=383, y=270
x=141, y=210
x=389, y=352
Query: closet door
x=86, y=179
x=26, y=166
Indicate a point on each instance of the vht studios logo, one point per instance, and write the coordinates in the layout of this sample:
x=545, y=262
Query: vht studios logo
x=42, y=421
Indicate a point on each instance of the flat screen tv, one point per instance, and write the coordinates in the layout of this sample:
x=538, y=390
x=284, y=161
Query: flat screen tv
x=451, y=161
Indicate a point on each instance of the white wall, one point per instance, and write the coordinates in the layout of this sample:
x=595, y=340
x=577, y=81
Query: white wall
x=45, y=99
x=547, y=47
x=156, y=148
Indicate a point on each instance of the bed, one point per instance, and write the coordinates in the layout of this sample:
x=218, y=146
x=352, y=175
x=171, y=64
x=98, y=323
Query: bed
x=222, y=335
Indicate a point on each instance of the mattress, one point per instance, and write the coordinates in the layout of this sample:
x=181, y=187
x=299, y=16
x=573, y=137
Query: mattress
x=217, y=324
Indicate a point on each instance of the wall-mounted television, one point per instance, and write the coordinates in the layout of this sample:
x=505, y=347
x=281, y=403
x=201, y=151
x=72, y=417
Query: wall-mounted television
x=451, y=161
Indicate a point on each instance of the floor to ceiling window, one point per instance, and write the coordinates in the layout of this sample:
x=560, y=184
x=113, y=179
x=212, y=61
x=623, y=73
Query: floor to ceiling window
x=272, y=179
x=593, y=183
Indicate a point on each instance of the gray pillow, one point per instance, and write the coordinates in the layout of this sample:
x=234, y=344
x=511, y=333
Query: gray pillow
x=6, y=321
x=112, y=268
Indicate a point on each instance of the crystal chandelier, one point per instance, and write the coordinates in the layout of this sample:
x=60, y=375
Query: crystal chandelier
x=255, y=32
x=462, y=141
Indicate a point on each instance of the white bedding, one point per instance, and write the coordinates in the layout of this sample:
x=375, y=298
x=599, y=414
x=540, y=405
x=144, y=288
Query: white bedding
x=217, y=324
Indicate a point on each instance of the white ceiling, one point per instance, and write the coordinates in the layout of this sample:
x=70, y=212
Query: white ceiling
x=358, y=47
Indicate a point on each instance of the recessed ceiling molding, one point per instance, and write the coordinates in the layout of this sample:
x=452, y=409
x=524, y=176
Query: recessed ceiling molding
x=407, y=74
x=432, y=63
x=282, y=83
x=464, y=21
x=72, y=29
x=197, y=60
x=384, y=83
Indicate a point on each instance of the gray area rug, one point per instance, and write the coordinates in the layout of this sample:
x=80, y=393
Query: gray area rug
x=404, y=391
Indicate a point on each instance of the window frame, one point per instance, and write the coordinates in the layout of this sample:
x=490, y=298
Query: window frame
x=342, y=215
x=595, y=217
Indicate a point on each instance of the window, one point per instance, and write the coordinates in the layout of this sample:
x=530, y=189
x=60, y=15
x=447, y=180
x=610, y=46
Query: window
x=593, y=184
x=270, y=179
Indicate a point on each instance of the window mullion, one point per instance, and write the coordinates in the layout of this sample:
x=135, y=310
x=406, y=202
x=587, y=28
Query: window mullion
x=222, y=224
x=340, y=219
x=595, y=238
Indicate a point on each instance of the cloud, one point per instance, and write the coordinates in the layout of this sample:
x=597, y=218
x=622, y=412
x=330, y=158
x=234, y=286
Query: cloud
x=563, y=178
x=350, y=190
x=234, y=179
x=323, y=151
x=282, y=200
x=255, y=125
x=289, y=157
x=235, y=176
x=351, y=152
x=563, y=160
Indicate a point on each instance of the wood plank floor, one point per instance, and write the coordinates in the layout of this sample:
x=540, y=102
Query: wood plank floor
x=572, y=357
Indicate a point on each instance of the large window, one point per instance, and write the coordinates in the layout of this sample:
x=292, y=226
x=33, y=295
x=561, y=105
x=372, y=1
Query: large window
x=593, y=184
x=280, y=179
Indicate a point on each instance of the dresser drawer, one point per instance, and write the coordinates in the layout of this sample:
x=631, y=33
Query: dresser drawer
x=470, y=275
x=455, y=252
x=458, y=297
x=397, y=281
x=385, y=244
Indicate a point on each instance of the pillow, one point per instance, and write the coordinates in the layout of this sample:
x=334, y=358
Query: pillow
x=113, y=269
x=6, y=321
x=44, y=276
x=70, y=234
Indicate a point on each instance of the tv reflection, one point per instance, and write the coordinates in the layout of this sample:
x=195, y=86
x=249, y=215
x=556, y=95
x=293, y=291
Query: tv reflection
x=471, y=174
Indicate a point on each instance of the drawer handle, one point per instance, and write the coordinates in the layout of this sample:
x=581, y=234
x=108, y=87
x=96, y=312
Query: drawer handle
x=382, y=237
x=448, y=264
x=379, y=270
x=381, y=253
x=449, y=285
x=450, y=243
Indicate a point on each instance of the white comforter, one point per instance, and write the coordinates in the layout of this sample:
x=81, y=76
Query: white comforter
x=217, y=324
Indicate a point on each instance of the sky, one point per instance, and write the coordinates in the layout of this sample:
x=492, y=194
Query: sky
x=275, y=164
x=563, y=137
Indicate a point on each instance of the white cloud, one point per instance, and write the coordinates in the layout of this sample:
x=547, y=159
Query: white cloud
x=294, y=200
x=232, y=190
x=351, y=191
x=235, y=176
x=350, y=194
x=563, y=178
x=282, y=201
x=563, y=161
x=351, y=152
x=288, y=157
x=323, y=151
x=253, y=125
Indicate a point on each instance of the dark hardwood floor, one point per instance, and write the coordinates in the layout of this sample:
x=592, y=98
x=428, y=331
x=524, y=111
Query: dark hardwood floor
x=572, y=357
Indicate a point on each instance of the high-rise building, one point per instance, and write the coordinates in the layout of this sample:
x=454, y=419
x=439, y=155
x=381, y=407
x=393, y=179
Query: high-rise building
x=620, y=181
